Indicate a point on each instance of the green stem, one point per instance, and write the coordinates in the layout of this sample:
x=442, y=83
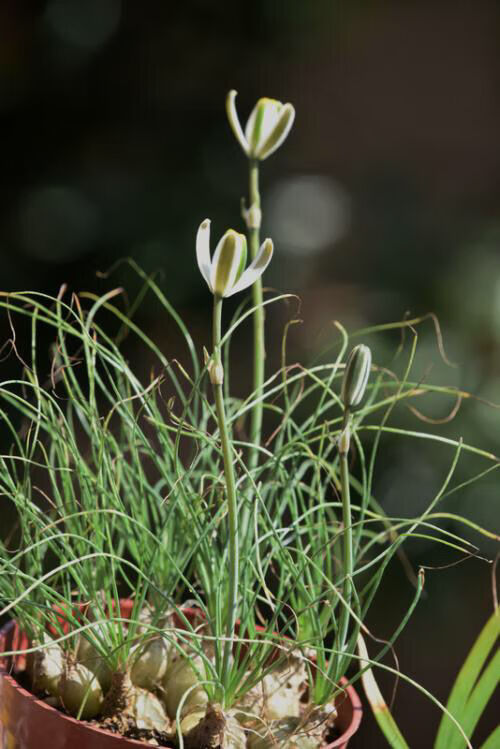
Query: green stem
x=259, y=351
x=343, y=625
x=258, y=320
x=231, y=499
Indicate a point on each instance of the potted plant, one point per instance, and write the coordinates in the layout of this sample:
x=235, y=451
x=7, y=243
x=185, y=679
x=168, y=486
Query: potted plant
x=176, y=573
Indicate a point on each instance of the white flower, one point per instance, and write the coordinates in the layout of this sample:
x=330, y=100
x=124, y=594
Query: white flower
x=266, y=129
x=225, y=273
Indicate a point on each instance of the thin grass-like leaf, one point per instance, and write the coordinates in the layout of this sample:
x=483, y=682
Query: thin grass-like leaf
x=379, y=707
x=471, y=692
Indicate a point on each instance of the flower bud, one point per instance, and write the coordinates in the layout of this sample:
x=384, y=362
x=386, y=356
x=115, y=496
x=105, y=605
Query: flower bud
x=214, y=368
x=266, y=128
x=345, y=440
x=253, y=217
x=357, y=372
x=216, y=373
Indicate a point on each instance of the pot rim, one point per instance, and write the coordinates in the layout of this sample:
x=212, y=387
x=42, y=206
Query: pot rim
x=341, y=741
x=357, y=714
x=25, y=694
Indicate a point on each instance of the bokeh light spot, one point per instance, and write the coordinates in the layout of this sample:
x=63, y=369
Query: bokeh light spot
x=84, y=23
x=56, y=224
x=307, y=214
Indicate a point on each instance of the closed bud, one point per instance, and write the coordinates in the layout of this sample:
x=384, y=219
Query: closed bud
x=345, y=440
x=214, y=368
x=357, y=372
x=216, y=372
x=253, y=217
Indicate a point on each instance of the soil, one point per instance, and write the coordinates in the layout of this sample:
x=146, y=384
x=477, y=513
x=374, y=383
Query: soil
x=153, y=738
x=332, y=735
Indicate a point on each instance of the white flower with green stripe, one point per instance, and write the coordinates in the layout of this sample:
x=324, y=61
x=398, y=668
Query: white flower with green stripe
x=225, y=273
x=266, y=128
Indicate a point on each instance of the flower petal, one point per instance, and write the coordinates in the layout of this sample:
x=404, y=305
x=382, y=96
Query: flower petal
x=261, y=123
x=227, y=262
x=232, y=116
x=280, y=131
x=256, y=267
x=203, y=251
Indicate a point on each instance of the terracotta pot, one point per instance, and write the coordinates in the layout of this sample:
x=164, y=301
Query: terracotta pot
x=29, y=723
x=350, y=712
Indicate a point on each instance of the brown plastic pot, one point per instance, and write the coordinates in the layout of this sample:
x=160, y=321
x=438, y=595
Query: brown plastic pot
x=27, y=722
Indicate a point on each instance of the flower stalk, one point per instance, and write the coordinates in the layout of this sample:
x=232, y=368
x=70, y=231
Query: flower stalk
x=354, y=382
x=225, y=275
x=343, y=626
x=253, y=218
x=259, y=347
x=230, y=493
x=266, y=129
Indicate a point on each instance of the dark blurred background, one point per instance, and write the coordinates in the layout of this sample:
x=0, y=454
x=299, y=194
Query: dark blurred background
x=384, y=200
